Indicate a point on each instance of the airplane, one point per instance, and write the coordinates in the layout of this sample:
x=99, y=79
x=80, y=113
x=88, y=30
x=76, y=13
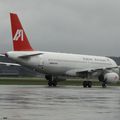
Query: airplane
x=58, y=66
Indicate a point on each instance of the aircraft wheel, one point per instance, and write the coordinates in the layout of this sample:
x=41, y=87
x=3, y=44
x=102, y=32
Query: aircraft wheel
x=104, y=85
x=54, y=83
x=84, y=84
x=89, y=84
x=50, y=83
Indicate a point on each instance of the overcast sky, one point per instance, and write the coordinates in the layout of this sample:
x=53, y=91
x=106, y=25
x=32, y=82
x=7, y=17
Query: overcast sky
x=72, y=26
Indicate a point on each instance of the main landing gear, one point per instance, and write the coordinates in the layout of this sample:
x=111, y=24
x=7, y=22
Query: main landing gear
x=87, y=84
x=51, y=80
x=52, y=83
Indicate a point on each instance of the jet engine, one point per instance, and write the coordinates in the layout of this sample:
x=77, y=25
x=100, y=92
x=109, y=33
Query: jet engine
x=111, y=77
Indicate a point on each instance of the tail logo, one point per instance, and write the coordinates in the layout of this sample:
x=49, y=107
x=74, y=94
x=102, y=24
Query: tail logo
x=18, y=34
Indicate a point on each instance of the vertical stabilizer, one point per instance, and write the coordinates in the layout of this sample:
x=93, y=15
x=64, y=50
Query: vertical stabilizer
x=20, y=40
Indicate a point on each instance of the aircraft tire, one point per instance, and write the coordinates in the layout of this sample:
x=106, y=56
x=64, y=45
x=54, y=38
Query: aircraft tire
x=89, y=84
x=84, y=84
x=54, y=83
x=50, y=83
x=104, y=85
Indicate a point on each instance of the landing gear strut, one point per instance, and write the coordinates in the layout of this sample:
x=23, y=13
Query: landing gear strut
x=87, y=84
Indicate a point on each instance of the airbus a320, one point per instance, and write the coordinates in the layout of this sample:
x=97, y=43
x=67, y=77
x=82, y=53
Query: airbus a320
x=58, y=66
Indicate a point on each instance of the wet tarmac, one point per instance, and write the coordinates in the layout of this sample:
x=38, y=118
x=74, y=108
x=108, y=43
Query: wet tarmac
x=27, y=102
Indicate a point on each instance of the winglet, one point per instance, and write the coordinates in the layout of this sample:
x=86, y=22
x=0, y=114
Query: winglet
x=20, y=40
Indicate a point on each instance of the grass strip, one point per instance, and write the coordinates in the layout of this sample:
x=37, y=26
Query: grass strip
x=42, y=81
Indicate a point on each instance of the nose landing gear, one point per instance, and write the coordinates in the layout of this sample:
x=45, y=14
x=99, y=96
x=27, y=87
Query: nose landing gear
x=104, y=84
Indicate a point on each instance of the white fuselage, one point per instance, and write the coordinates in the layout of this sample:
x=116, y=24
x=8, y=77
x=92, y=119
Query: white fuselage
x=60, y=63
x=56, y=65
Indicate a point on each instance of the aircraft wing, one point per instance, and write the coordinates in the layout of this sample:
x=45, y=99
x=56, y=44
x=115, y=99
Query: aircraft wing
x=78, y=72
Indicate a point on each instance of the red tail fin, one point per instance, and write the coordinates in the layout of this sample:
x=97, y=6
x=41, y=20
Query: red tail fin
x=20, y=41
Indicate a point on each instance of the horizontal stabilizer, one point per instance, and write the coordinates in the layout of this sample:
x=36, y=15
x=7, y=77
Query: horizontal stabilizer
x=9, y=64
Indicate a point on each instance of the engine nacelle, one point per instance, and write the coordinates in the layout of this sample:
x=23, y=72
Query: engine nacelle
x=111, y=77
